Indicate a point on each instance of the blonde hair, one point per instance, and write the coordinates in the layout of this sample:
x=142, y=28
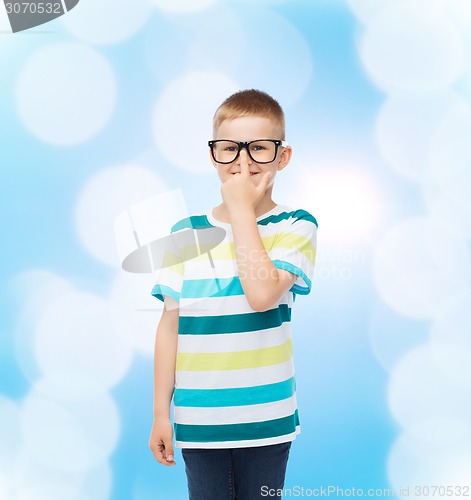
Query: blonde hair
x=249, y=103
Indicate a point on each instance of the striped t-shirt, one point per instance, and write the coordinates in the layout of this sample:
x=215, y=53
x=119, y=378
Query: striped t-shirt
x=235, y=381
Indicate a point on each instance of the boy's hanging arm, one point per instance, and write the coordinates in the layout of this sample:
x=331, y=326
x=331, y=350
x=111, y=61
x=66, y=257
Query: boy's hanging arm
x=262, y=282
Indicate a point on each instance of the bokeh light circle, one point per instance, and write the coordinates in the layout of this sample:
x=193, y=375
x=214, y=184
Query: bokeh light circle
x=453, y=324
x=35, y=288
x=130, y=292
x=450, y=154
x=345, y=199
x=183, y=118
x=286, y=74
x=10, y=432
x=419, y=265
x=107, y=21
x=454, y=361
x=51, y=488
x=412, y=47
x=459, y=11
x=77, y=334
x=419, y=391
x=76, y=438
x=392, y=334
x=66, y=93
x=366, y=10
x=183, y=6
x=186, y=45
x=103, y=198
x=412, y=462
x=98, y=483
x=405, y=126
x=446, y=209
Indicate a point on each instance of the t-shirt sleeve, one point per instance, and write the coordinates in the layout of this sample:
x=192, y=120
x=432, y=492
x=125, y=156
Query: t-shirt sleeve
x=294, y=249
x=169, y=282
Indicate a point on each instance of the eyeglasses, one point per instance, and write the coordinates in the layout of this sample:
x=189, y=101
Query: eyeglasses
x=260, y=151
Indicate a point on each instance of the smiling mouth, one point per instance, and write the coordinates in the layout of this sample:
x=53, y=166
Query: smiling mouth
x=251, y=173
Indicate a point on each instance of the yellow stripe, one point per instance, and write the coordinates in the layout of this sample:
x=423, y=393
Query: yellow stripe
x=226, y=251
x=173, y=263
x=300, y=243
x=223, y=251
x=238, y=360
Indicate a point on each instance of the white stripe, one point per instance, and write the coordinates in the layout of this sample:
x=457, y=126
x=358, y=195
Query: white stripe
x=296, y=257
x=201, y=268
x=303, y=228
x=235, y=414
x=226, y=267
x=222, y=379
x=219, y=306
x=268, y=229
x=243, y=443
x=222, y=306
x=233, y=342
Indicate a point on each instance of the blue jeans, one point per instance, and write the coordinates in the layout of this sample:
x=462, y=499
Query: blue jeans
x=235, y=473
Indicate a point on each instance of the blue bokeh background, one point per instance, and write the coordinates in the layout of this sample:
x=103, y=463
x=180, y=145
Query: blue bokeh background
x=355, y=335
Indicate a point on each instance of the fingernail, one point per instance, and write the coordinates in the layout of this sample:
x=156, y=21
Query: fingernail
x=170, y=458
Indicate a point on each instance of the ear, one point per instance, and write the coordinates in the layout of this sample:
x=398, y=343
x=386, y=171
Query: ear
x=285, y=157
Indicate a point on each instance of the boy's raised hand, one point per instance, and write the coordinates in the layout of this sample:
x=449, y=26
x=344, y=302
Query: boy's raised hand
x=239, y=191
x=160, y=441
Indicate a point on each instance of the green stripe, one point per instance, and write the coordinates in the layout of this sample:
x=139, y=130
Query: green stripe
x=234, y=323
x=296, y=215
x=237, y=396
x=192, y=222
x=237, y=432
x=202, y=222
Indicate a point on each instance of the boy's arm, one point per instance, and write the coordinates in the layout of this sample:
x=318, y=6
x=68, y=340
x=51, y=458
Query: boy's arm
x=165, y=353
x=263, y=283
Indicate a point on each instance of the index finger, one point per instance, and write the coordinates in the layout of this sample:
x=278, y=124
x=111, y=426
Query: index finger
x=244, y=167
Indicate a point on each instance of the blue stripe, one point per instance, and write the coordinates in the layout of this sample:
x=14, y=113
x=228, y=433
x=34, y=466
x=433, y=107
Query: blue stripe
x=296, y=215
x=238, y=396
x=159, y=290
x=237, y=432
x=287, y=266
x=234, y=323
x=203, y=288
x=192, y=222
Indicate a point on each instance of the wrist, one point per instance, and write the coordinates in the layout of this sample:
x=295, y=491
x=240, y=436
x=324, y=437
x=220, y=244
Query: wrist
x=162, y=416
x=241, y=213
x=161, y=410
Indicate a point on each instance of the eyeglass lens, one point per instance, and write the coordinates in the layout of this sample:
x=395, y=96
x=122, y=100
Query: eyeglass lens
x=260, y=151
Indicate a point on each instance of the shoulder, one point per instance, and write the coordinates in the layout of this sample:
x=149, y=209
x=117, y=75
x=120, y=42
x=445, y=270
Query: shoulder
x=198, y=221
x=298, y=216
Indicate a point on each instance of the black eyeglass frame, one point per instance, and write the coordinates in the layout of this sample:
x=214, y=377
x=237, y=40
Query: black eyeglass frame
x=246, y=145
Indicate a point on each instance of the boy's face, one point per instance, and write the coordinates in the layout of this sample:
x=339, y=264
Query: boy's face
x=251, y=128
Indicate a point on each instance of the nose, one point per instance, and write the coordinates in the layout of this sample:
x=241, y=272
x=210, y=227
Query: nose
x=244, y=156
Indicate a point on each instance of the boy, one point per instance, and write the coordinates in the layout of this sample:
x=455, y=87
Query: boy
x=231, y=373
